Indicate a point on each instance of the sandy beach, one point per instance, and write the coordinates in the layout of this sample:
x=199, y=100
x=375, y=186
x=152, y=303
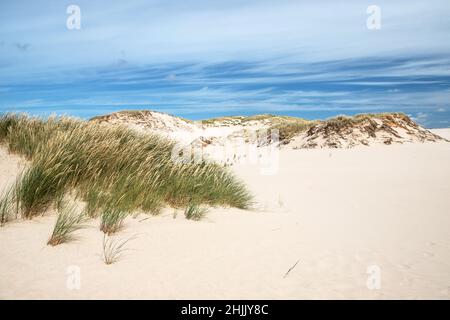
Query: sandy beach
x=329, y=215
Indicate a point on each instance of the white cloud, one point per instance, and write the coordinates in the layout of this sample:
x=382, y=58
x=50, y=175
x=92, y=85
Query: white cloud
x=171, y=77
x=421, y=115
x=204, y=30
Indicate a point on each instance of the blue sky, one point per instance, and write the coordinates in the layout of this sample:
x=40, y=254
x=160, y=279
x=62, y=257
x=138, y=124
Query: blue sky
x=198, y=59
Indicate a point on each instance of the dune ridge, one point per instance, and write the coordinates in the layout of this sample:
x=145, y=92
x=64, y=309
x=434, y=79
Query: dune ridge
x=293, y=132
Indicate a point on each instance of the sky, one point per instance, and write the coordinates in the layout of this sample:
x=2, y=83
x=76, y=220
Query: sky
x=199, y=59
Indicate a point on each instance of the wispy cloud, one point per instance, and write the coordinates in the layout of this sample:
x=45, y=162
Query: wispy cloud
x=208, y=57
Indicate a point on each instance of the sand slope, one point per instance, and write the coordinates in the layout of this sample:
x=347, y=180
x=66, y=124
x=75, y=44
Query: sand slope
x=337, y=212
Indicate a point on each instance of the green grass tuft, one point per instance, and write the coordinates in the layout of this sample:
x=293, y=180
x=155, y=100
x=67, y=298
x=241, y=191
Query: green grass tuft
x=68, y=221
x=112, y=220
x=113, y=248
x=195, y=212
x=6, y=206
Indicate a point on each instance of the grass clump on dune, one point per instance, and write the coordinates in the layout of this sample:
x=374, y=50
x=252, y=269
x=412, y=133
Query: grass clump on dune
x=112, y=220
x=288, y=131
x=68, y=221
x=113, y=248
x=194, y=212
x=267, y=118
x=6, y=206
x=109, y=167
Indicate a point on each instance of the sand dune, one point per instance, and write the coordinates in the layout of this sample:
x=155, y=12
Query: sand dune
x=337, y=212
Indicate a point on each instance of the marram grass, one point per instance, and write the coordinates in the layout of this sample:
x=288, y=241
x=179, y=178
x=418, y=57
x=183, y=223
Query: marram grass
x=195, y=212
x=114, y=248
x=69, y=220
x=114, y=169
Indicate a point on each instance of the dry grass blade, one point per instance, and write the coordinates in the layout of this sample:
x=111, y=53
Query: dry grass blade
x=290, y=269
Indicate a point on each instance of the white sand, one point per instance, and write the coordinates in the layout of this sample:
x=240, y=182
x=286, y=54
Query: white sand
x=444, y=133
x=336, y=211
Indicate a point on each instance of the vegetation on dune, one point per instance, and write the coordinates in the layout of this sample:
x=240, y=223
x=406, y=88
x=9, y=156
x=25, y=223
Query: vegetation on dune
x=6, y=206
x=287, y=131
x=68, y=221
x=342, y=123
x=343, y=120
x=135, y=114
x=290, y=127
x=112, y=220
x=194, y=212
x=113, y=248
x=273, y=119
x=286, y=126
x=115, y=170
